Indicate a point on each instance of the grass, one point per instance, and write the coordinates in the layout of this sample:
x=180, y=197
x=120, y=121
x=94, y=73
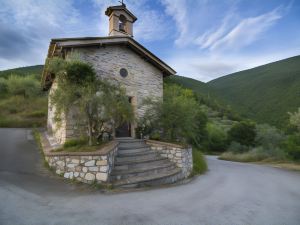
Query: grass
x=37, y=137
x=79, y=145
x=199, y=163
x=17, y=111
x=242, y=157
x=260, y=159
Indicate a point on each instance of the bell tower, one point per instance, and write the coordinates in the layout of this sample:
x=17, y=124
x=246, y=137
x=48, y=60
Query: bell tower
x=120, y=20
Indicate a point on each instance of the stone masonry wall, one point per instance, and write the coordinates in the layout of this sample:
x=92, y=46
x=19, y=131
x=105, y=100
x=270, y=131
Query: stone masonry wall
x=87, y=167
x=180, y=155
x=143, y=79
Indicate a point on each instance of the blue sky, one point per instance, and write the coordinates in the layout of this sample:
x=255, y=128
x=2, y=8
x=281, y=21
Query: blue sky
x=202, y=39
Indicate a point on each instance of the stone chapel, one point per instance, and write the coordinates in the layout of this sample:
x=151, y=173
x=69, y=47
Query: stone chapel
x=116, y=57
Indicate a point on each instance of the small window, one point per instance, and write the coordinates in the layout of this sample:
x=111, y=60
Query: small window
x=122, y=23
x=123, y=72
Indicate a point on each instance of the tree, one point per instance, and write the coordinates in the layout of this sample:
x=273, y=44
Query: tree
x=177, y=118
x=97, y=103
x=243, y=133
x=26, y=86
x=295, y=119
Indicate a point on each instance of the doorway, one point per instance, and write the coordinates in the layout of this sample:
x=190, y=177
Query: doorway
x=124, y=130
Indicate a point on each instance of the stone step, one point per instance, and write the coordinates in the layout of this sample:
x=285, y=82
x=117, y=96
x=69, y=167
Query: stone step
x=132, y=145
x=129, y=140
x=129, y=154
x=135, y=157
x=133, y=150
x=138, y=159
x=128, y=147
x=140, y=164
x=144, y=171
x=150, y=180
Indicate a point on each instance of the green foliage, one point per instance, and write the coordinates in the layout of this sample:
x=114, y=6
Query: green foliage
x=236, y=147
x=79, y=72
x=199, y=163
x=26, y=86
x=243, y=132
x=268, y=137
x=216, y=138
x=205, y=95
x=292, y=147
x=265, y=93
x=295, y=119
x=75, y=142
x=3, y=86
x=95, y=103
x=178, y=118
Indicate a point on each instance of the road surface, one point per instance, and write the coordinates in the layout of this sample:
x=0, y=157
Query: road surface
x=229, y=193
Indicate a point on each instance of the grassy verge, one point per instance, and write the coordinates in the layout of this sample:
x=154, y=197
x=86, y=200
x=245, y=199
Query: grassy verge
x=37, y=137
x=260, y=159
x=199, y=163
x=79, y=145
x=17, y=111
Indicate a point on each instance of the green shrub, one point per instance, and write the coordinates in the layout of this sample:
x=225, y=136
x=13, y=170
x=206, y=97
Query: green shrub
x=236, y=147
x=26, y=86
x=268, y=136
x=3, y=86
x=292, y=147
x=243, y=133
x=75, y=142
x=199, y=163
x=80, y=72
x=216, y=138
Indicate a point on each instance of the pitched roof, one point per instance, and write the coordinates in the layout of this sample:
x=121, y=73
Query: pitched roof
x=57, y=46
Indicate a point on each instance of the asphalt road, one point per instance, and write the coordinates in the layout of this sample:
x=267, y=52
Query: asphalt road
x=229, y=193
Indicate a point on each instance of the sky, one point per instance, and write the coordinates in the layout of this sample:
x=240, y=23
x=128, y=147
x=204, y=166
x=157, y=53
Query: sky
x=201, y=39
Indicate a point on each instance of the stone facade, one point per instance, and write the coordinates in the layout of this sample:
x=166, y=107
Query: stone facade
x=178, y=154
x=143, y=81
x=86, y=167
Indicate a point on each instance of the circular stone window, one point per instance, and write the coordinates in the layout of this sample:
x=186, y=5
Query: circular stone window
x=123, y=72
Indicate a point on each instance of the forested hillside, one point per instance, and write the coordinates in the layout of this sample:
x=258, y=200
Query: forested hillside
x=265, y=93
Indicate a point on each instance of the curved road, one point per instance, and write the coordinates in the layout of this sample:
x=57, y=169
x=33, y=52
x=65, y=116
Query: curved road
x=229, y=193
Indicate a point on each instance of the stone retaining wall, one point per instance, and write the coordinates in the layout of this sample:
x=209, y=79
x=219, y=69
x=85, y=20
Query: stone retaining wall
x=87, y=167
x=178, y=154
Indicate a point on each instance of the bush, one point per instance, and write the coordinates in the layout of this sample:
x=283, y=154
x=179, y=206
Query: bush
x=236, y=147
x=3, y=86
x=243, y=133
x=80, y=72
x=199, y=163
x=268, y=136
x=25, y=86
x=216, y=138
x=292, y=147
x=178, y=118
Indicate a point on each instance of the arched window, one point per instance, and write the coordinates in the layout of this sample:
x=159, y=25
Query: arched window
x=122, y=23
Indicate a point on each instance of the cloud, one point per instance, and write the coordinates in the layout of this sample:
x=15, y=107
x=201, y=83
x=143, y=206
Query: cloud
x=177, y=9
x=243, y=34
x=207, y=67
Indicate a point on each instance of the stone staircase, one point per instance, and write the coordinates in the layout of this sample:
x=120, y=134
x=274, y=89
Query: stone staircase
x=136, y=165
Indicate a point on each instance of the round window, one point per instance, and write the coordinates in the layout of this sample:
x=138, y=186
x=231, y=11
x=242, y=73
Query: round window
x=123, y=72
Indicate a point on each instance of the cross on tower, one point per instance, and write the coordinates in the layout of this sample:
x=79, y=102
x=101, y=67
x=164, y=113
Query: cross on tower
x=122, y=2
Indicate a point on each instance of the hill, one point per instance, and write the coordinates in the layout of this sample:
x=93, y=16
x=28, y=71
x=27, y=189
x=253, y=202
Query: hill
x=23, y=71
x=265, y=93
